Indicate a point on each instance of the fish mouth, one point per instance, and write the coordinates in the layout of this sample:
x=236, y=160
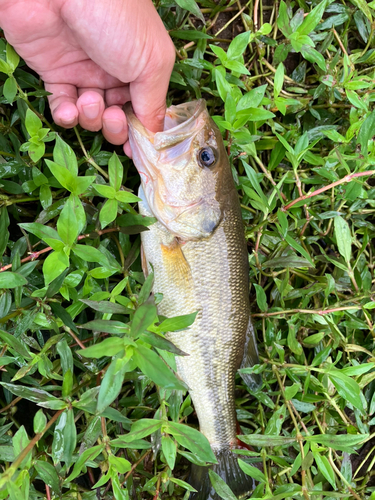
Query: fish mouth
x=180, y=123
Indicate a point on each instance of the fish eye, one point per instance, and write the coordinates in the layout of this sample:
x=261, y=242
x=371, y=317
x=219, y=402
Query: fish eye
x=206, y=157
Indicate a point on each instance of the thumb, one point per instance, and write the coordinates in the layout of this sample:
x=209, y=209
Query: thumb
x=148, y=92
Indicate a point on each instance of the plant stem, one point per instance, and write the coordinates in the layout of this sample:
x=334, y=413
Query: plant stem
x=321, y=312
x=35, y=255
x=344, y=180
x=88, y=157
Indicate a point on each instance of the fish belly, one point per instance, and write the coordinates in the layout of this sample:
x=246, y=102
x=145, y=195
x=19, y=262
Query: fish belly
x=209, y=276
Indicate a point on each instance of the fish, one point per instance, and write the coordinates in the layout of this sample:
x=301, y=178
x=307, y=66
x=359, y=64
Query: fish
x=198, y=254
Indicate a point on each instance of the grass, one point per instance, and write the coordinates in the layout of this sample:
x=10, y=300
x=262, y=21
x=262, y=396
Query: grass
x=291, y=87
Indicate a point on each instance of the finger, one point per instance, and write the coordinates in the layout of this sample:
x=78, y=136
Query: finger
x=117, y=96
x=90, y=105
x=115, y=128
x=63, y=104
x=127, y=149
x=148, y=92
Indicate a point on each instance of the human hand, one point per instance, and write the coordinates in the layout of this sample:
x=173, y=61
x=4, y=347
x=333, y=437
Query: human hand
x=94, y=55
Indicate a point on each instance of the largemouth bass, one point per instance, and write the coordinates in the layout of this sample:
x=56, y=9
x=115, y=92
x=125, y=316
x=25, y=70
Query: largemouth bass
x=198, y=253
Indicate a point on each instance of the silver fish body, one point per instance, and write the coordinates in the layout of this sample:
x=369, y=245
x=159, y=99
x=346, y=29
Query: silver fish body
x=198, y=253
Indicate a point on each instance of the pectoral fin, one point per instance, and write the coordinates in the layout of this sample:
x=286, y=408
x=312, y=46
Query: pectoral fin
x=250, y=358
x=175, y=263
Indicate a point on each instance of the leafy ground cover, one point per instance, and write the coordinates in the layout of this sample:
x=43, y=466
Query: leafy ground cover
x=90, y=408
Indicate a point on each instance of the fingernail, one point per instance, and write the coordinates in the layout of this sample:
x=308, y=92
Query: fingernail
x=114, y=126
x=67, y=122
x=91, y=111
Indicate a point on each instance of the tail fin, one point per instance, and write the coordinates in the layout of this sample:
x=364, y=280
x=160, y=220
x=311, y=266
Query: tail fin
x=229, y=470
x=250, y=358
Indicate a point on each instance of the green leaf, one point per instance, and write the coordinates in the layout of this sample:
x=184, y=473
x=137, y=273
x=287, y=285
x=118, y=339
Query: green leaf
x=40, y=421
x=12, y=57
x=365, y=133
x=177, y=323
x=291, y=391
x=294, y=244
x=106, y=326
x=20, y=442
x=313, y=56
x=126, y=197
x=107, y=307
x=54, y=265
x=192, y=7
x=67, y=223
x=105, y=191
x=107, y=347
x=261, y=297
x=255, y=114
x=362, y=5
x=65, y=438
x=355, y=100
x=161, y=343
x=87, y=456
x=252, y=99
x=238, y=45
x=36, y=149
x=115, y=171
x=11, y=280
x=169, y=450
x=224, y=88
x=32, y=122
x=352, y=371
x=342, y=442
x=264, y=440
x=135, y=220
x=38, y=396
x=144, y=316
x=181, y=483
x=65, y=317
x=4, y=233
x=111, y=384
x=189, y=34
x=7, y=453
x=10, y=89
x=45, y=233
x=155, y=369
x=15, y=344
x=283, y=21
x=312, y=19
x=142, y=428
x=90, y=254
x=120, y=465
x=82, y=183
x=343, y=238
x=64, y=155
x=251, y=471
x=191, y=439
x=347, y=388
x=279, y=79
x=221, y=488
x=108, y=212
x=325, y=468
x=62, y=175
x=47, y=473
x=4, y=67
x=45, y=196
